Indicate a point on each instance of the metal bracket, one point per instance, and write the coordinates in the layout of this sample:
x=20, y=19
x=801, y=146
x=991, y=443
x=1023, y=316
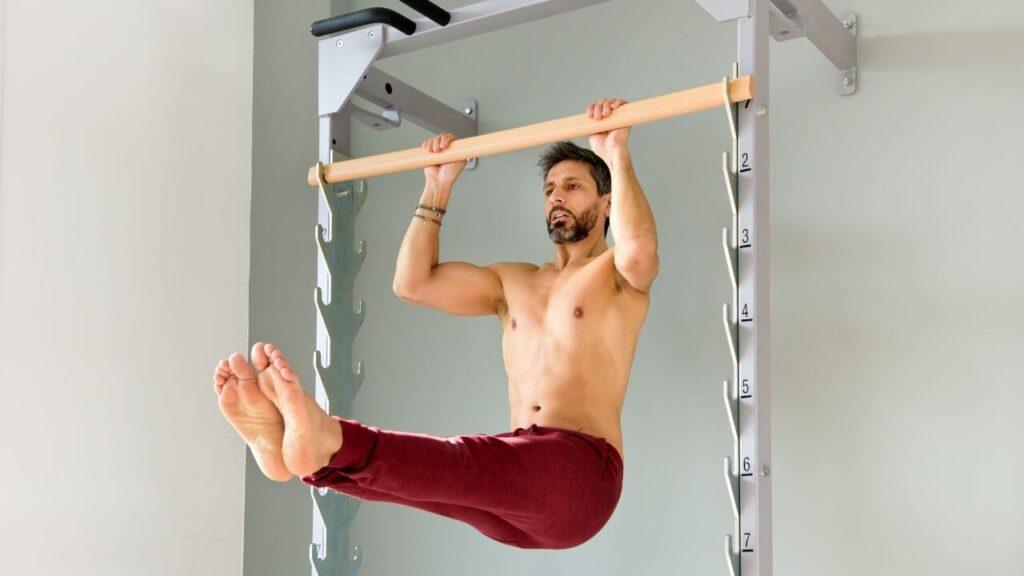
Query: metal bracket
x=470, y=110
x=342, y=61
x=388, y=92
x=725, y=10
x=848, y=77
x=388, y=119
x=836, y=38
x=785, y=22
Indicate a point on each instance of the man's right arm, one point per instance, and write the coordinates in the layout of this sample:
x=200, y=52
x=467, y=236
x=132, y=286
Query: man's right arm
x=458, y=288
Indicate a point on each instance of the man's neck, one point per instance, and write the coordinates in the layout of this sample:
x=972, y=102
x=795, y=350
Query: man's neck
x=567, y=254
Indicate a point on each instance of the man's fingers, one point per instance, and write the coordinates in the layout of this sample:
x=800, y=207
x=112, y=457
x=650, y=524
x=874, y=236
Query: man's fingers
x=445, y=140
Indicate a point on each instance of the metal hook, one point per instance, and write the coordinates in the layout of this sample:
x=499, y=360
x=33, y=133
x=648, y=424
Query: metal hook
x=728, y=175
x=730, y=337
x=327, y=233
x=730, y=484
x=728, y=258
x=730, y=556
x=730, y=400
x=732, y=121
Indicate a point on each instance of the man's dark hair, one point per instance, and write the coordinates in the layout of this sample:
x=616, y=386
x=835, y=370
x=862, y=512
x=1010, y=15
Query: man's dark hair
x=566, y=150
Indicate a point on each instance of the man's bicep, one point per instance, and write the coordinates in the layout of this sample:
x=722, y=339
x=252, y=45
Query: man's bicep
x=461, y=288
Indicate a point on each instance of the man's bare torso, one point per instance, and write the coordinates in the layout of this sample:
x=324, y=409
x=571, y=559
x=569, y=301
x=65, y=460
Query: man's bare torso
x=568, y=342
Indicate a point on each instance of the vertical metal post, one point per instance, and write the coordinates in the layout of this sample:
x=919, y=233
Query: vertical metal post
x=338, y=378
x=752, y=306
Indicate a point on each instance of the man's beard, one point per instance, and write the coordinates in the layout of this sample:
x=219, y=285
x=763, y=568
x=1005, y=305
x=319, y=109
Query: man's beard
x=572, y=229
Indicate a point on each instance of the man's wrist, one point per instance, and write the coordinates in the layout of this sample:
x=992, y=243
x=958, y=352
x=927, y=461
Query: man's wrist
x=619, y=156
x=435, y=194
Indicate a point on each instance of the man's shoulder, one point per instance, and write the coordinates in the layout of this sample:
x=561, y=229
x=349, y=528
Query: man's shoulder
x=512, y=267
x=513, y=272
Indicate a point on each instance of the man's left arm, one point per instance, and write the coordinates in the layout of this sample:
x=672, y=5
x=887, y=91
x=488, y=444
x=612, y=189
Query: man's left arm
x=632, y=224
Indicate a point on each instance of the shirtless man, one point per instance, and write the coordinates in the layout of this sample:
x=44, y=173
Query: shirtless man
x=570, y=329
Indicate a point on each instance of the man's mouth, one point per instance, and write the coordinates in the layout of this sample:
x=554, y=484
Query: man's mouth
x=558, y=216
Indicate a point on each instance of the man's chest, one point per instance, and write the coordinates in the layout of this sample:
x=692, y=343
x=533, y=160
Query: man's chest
x=546, y=299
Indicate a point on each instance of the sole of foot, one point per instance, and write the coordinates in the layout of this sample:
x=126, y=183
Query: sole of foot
x=252, y=414
x=311, y=436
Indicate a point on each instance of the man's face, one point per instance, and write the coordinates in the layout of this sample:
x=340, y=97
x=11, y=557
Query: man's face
x=571, y=202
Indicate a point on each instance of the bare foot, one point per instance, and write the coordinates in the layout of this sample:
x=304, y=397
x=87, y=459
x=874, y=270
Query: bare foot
x=251, y=413
x=311, y=436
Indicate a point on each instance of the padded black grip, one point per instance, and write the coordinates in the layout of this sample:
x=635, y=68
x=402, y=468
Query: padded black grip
x=430, y=10
x=361, y=18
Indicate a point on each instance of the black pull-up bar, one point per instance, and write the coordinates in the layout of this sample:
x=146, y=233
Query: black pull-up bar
x=362, y=18
x=430, y=10
x=387, y=16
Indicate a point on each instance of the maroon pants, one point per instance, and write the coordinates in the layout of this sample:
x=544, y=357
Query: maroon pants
x=536, y=487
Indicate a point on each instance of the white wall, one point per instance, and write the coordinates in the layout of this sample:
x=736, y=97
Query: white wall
x=124, y=269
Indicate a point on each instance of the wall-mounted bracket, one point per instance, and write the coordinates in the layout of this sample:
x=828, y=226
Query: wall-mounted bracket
x=848, y=77
x=387, y=119
x=836, y=38
x=388, y=92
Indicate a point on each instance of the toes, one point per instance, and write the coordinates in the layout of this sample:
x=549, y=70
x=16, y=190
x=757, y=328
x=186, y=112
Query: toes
x=275, y=354
x=240, y=367
x=259, y=356
x=228, y=393
x=285, y=369
x=220, y=375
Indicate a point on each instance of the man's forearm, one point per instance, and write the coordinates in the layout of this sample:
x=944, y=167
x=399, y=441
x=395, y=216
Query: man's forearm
x=420, y=249
x=632, y=222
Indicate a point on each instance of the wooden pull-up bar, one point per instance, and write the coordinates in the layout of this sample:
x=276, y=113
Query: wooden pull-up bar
x=629, y=114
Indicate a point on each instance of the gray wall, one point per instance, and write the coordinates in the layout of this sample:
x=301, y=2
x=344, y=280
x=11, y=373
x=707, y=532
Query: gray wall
x=896, y=445
x=278, y=517
x=124, y=242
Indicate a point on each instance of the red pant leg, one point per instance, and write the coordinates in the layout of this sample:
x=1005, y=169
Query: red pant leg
x=487, y=523
x=558, y=486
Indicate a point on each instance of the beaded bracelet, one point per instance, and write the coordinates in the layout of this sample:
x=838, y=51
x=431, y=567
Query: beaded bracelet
x=434, y=209
x=427, y=218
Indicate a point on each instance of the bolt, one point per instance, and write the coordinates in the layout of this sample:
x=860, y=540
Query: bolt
x=373, y=33
x=847, y=82
x=761, y=111
x=765, y=471
x=339, y=43
x=468, y=110
x=848, y=24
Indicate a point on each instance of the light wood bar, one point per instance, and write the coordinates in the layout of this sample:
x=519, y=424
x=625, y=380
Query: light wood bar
x=629, y=114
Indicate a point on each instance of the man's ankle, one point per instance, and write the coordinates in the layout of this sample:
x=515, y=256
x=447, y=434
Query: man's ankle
x=332, y=440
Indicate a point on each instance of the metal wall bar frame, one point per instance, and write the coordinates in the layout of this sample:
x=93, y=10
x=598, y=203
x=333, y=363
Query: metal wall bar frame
x=748, y=399
x=751, y=311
